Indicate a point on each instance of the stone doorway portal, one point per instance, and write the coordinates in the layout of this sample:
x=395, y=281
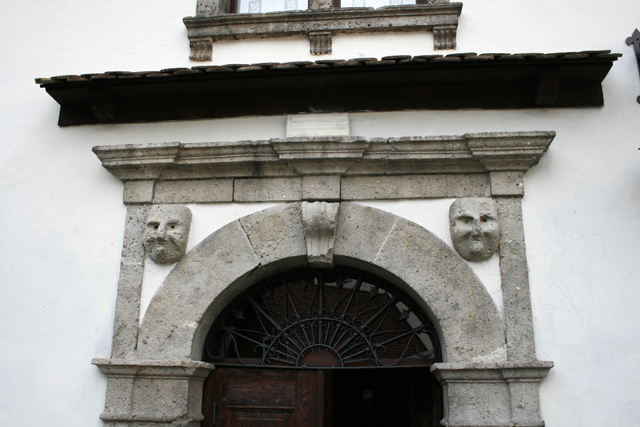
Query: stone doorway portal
x=322, y=347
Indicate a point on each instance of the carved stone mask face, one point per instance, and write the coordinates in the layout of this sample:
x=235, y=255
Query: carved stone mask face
x=475, y=230
x=167, y=233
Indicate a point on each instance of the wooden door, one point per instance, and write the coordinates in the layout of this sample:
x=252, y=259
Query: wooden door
x=248, y=397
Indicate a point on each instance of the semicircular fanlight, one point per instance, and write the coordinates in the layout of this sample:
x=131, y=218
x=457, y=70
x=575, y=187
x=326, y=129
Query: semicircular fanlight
x=322, y=318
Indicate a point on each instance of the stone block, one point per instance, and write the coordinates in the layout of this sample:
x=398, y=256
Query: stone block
x=138, y=192
x=153, y=393
x=276, y=234
x=459, y=303
x=361, y=231
x=509, y=183
x=267, y=189
x=220, y=260
x=321, y=187
x=414, y=187
x=194, y=191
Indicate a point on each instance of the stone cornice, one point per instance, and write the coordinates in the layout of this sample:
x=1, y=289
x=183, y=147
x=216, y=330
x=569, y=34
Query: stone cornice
x=534, y=370
x=347, y=156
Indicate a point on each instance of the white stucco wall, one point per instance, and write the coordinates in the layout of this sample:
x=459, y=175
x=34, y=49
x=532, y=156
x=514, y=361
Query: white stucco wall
x=63, y=216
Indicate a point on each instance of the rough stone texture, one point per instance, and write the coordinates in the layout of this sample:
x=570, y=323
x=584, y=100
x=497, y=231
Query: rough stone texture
x=507, y=183
x=201, y=48
x=319, y=4
x=267, y=190
x=179, y=306
x=496, y=394
x=467, y=317
x=319, y=220
x=422, y=17
x=167, y=233
x=515, y=281
x=414, y=187
x=321, y=187
x=138, y=192
x=475, y=229
x=153, y=392
x=276, y=234
x=194, y=191
x=321, y=147
x=360, y=233
x=125, y=327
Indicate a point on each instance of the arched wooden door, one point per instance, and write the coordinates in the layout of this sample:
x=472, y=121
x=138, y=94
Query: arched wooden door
x=326, y=348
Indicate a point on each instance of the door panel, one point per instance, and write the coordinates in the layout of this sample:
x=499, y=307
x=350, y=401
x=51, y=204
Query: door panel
x=241, y=397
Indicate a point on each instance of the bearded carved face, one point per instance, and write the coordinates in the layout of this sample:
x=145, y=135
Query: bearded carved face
x=475, y=230
x=167, y=233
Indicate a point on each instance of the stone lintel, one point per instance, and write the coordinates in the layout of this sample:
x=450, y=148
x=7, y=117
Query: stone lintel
x=321, y=187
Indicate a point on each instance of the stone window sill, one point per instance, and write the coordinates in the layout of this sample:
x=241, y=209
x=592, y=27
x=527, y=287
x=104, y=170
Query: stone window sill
x=320, y=25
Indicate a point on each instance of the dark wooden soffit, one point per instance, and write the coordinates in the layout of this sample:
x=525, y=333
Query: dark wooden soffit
x=396, y=83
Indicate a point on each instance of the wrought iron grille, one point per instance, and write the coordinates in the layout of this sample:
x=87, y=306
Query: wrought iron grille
x=322, y=318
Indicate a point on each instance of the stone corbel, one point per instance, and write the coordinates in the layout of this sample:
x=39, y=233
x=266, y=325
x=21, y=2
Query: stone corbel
x=320, y=42
x=319, y=220
x=201, y=48
x=444, y=37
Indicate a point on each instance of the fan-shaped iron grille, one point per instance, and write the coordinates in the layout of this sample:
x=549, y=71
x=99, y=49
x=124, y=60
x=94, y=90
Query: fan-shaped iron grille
x=322, y=318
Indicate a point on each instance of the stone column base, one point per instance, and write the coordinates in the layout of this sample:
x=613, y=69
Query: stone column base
x=153, y=393
x=491, y=394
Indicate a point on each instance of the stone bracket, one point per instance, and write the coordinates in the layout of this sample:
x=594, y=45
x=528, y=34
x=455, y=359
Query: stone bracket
x=320, y=42
x=319, y=220
x=210, y=24
x=201, y=48
x=444, y=37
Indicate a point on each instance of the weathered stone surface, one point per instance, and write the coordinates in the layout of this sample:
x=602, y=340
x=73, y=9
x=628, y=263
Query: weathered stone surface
x=414, y=186
x=507, y=183
x=153, y=392
x=125, y=327
x=425, y=17
x=475, y=229
x=319, y=220
x=320, y=42
x=360, y=233
x=194, y=191
x=444, y=37
x=321, y=187
x=458, y=156
x=496, y=394
x=267, y=190
x=179, y=307
x=514, y=274
x=509, y=151
x=276, y=234
x=138, y=191
x=470, y=325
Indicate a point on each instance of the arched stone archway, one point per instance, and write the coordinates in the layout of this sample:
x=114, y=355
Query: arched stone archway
x=161, y=385
x=246, y=250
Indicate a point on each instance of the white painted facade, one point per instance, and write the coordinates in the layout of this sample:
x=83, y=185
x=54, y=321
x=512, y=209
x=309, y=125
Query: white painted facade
x=63, y=215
